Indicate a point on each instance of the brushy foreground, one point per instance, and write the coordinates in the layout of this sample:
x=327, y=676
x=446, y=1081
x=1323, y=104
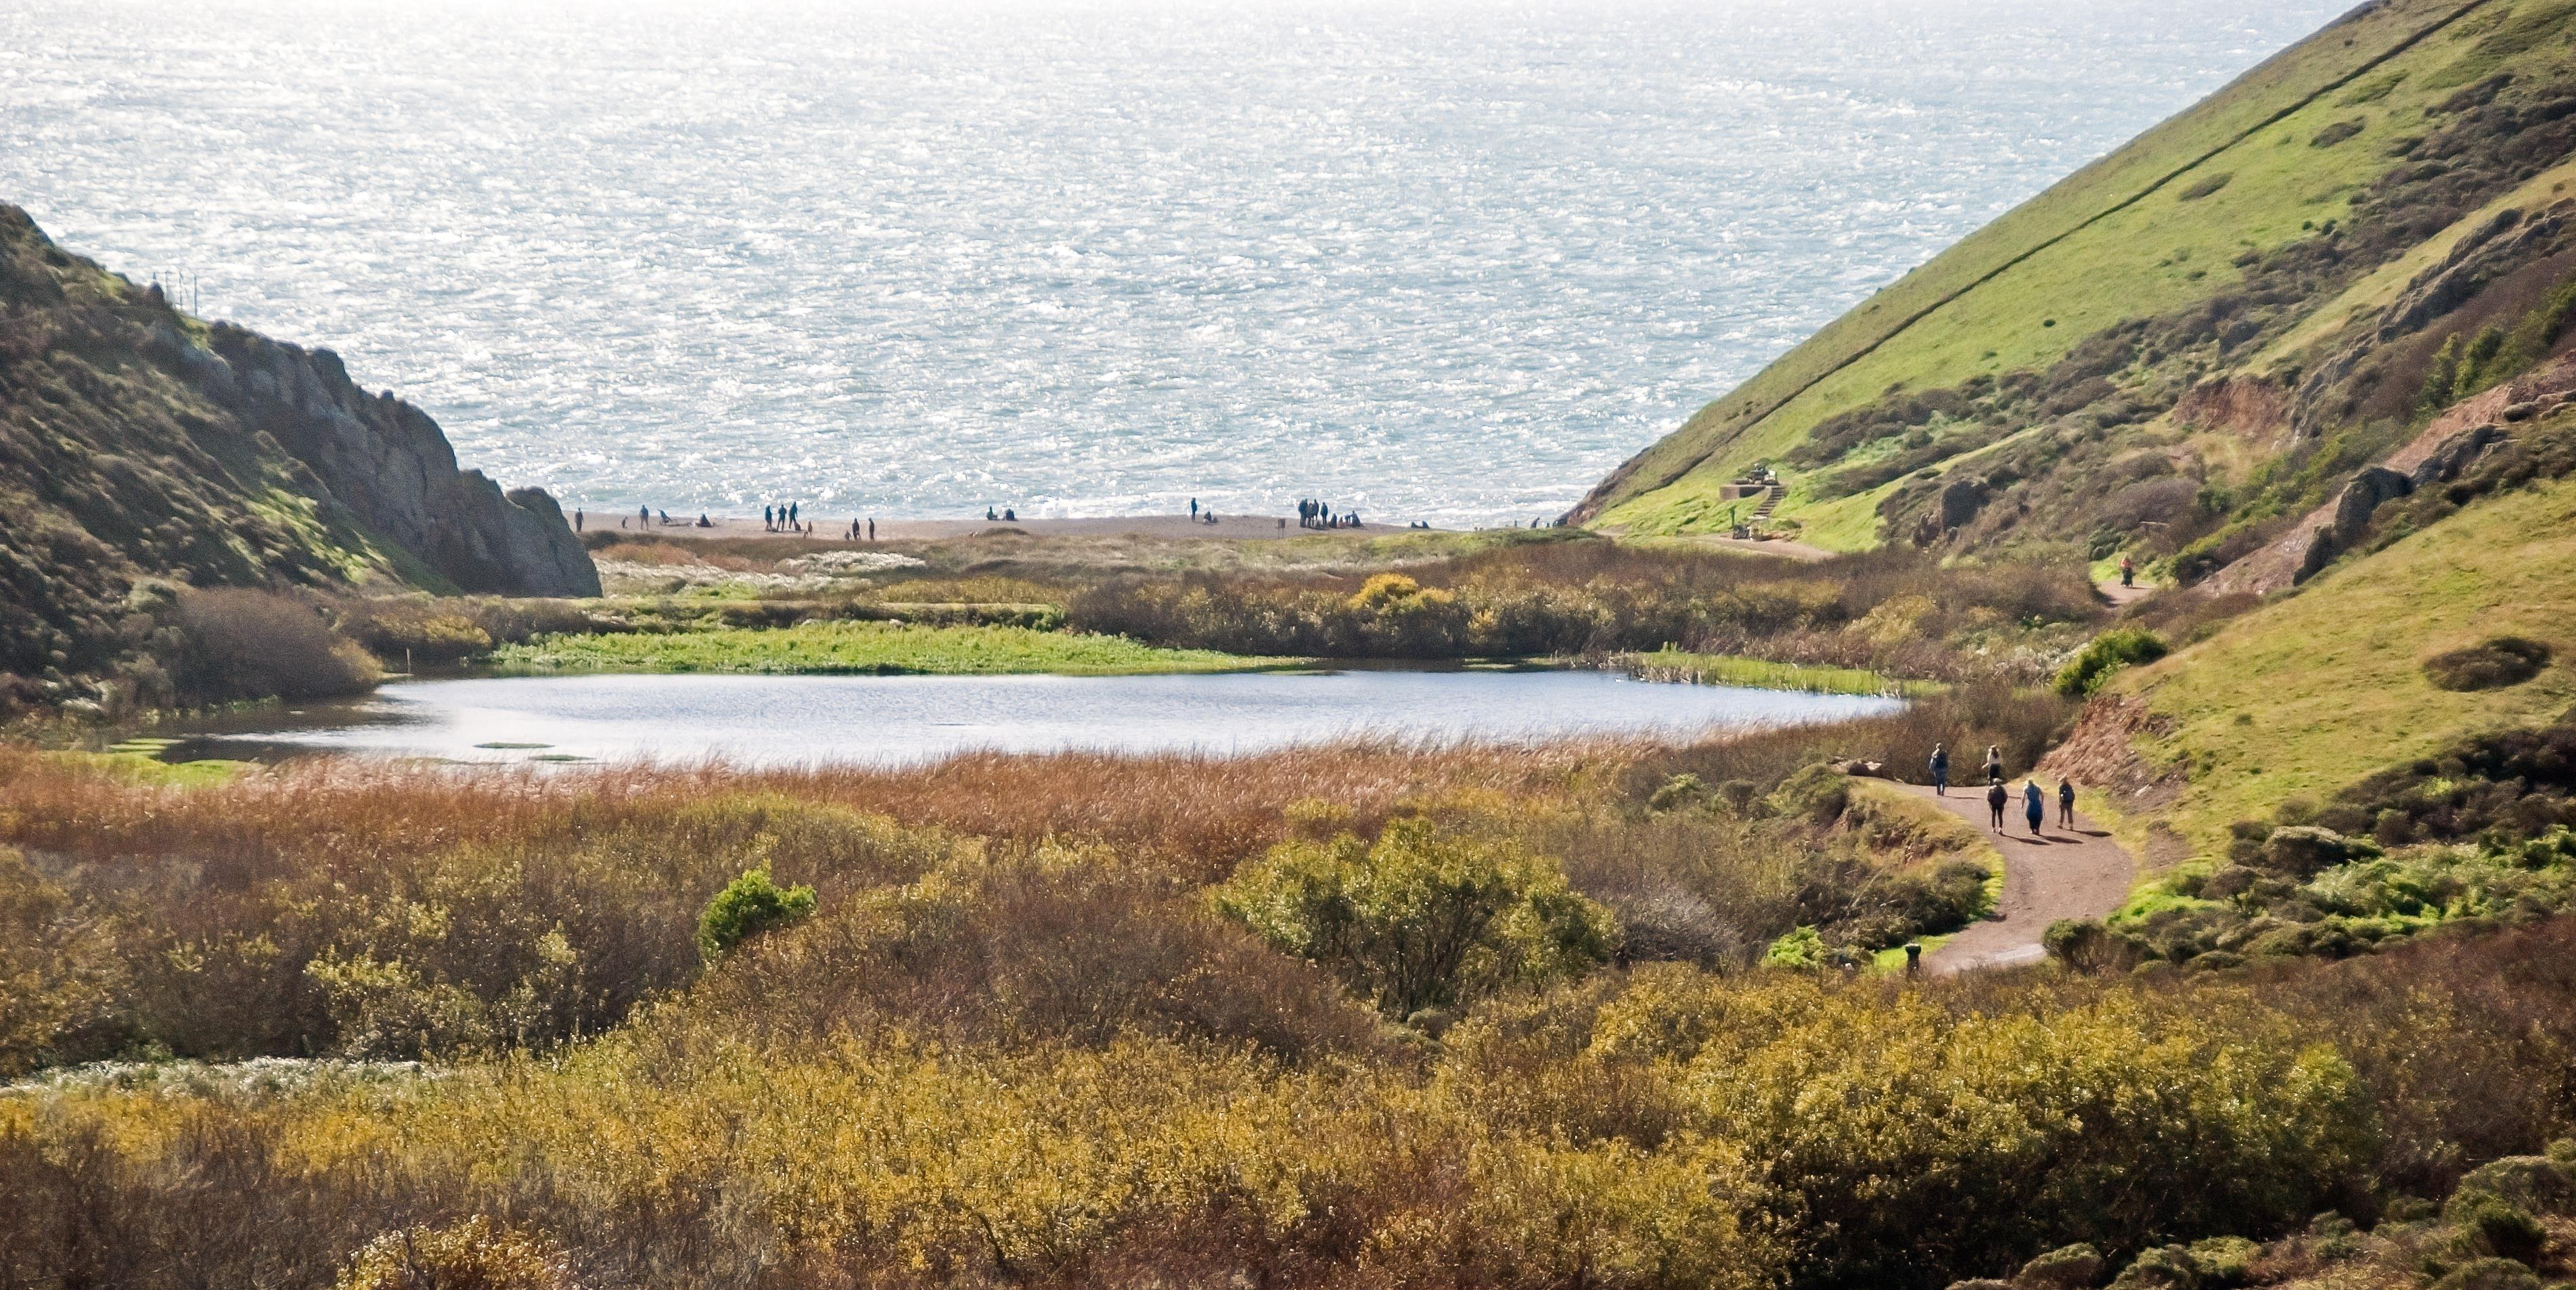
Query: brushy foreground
x=1371, y=1015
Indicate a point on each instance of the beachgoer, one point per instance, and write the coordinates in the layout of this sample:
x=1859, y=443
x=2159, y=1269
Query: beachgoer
x=704, y=522
x=644, y=515
x=666, y=517
x=1194, y=508
x=576, y=519
x=1009, y=514
x=988, y=514
x=1995, y=798
x=791, y=515
x=2065, y=802
x=2034, y=805
x=1940, y=770
x=2128, y=573
x=767, y=525
x=872, y=529
x=1994, y=763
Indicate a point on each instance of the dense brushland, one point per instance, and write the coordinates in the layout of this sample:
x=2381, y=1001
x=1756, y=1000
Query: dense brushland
x=1582, y=1015
x=144, y=453
x=2187, y=345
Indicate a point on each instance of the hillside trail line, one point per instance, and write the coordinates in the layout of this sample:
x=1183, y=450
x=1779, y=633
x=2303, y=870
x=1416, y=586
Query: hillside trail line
x=2064, y=873
x=2122, y=597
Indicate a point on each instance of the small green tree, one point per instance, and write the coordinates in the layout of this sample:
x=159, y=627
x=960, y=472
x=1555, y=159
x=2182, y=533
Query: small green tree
x=1420, y=919
x=2108, y=653
x=748, y=906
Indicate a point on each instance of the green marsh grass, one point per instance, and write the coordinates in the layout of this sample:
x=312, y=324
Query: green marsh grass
x=840, y=648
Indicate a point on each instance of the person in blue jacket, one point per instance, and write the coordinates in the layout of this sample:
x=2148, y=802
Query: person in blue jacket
x=1941, y=770
x=2034, y=805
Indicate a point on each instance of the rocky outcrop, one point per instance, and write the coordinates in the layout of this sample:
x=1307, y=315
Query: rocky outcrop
x=390, y=465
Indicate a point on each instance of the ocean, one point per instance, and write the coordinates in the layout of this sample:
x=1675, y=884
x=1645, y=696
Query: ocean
x=1422, y=259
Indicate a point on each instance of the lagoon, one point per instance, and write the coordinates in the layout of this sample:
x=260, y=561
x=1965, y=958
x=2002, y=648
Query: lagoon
x=777, y=721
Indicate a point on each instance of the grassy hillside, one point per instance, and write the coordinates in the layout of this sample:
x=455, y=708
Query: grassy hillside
x=2314, y=693
x=2048, y=360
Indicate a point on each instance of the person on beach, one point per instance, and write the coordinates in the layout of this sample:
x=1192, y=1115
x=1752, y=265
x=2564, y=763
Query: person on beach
x=2065, y=802
x=1940, y=770
x=792, y=521
x=576, y=519
x=644, y=516
x=1994, y=763
x=1995, y=799
x=1194, y=508
x=872, y=529
x=2034, y=805
x=767, y=525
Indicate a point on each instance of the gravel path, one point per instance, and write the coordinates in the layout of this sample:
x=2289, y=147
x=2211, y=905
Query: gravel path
x=2063, y=873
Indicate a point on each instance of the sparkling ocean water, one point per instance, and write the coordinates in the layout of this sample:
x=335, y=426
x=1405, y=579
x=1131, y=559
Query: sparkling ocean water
x=1430, y=259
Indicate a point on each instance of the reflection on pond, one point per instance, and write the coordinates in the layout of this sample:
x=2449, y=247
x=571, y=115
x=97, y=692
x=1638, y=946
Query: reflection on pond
x=772, y=721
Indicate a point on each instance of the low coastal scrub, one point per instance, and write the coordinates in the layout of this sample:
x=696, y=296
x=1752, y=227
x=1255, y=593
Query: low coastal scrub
x=862, y=648
x=1314, y=1018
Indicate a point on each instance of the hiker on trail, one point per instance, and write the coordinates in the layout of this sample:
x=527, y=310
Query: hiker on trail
x=2128, y=572
x=1995, y=799
x=2065, y=802
x=1994, y=763
x=1940, y=770
x=2034, y=805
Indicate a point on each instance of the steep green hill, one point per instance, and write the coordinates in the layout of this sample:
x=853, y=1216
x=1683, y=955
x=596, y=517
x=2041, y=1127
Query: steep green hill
x=142, y=447
x=2183, y=347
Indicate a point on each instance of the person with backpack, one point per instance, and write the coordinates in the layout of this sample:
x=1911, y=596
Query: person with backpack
x=1994, y=763
x=2065, y=802
x=1995, y=799
x=1940, y=770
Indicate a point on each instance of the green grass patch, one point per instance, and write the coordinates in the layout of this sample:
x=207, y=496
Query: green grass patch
x=138, y=761
x=865, y=648
x=1761, y=674
x=2318, y=690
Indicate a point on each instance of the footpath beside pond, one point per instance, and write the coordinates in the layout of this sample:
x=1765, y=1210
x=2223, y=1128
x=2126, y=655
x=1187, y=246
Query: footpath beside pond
x=2063, y=873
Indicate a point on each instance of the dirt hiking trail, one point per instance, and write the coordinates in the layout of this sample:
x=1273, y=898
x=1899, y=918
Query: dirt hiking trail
x=2063, y=873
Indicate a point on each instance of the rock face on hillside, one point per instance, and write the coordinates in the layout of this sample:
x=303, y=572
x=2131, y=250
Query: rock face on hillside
x=390, y=465
x=138, y=444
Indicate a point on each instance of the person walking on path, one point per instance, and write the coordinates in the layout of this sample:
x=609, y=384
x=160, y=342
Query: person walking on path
x=1940, y=770
x=1994, y=763
x=1995, y=799
x=2128, y=572
x=2065, y=802
x=2034, y=805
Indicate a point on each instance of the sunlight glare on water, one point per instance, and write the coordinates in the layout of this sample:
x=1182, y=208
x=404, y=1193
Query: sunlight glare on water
x=1439, y=259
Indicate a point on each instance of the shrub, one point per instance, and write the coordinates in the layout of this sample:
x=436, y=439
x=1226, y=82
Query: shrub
x=2108, y=653
x=748, y=906
x=2070, y=1267
x=407, y=630
x=2488, y=665
x=473, y=1255
x=1802, y=949
x=1420, y=919
x=241, y=644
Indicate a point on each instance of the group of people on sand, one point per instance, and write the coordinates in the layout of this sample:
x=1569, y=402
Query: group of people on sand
x=644, y=520
x=2034, y=798
x=1007, y=515
x=870, y=529
x=1207, y=516
x=1316, y=515
x=783, y=518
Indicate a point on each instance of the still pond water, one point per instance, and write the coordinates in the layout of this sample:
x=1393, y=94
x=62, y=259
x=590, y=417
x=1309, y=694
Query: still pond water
x=784, y=721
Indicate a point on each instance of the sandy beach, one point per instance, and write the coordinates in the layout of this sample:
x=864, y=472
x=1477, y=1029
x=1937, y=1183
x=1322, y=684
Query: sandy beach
x=835, y=528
